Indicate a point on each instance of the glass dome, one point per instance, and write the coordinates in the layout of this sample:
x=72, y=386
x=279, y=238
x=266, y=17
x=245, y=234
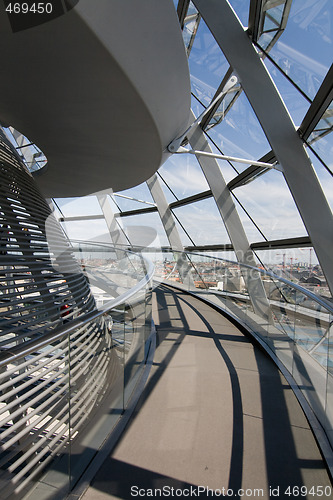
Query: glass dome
x=292, y=41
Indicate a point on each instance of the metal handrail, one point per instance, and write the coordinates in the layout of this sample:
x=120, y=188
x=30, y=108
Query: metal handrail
x=312, y=296
x=26, y=348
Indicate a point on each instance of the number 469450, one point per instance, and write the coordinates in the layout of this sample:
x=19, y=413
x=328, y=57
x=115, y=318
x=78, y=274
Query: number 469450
x=24, y=8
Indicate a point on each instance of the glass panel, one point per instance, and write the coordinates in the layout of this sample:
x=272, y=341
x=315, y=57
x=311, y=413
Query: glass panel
x=207, y=65
x=30, y=154
x=75, y=207
x=145, y=230
x=281, y=332
x=299, y=265
x=228, y=169
x=196, y=106
x=225, y=106
x=240, y=133
x=296, y=104
x=168, y=193
x=324, y=125
x=183, y=174
x=310, y=360
x=325, y=177
x=252, y=232
x=241, y=7
x=203, y=222
x=185, y=238
x=107, y=355
x=191, y=24
x=274, y=18
x=227, y=255
x=140, y=193
x=293, y=263
x=321, y=139
x=87, y=230
x=269, y=202
x=304, y=50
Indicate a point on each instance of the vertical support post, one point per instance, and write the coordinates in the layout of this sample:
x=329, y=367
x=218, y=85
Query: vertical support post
x=170, y=228
x=117, y=236
x=233, y=224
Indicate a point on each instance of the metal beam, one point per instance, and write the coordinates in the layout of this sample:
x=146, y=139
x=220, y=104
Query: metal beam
x=132, y=199
x=171, y=230
x=116, y=233
x=196, y=152
x=182, y=9
x=319, y=105
x=251, y=172
x=232, y=222
x=177, y=142
x=175, y=204
x=81, y=217
x=255, y=18
x=259, y=11
x=138, y=211
x=191, y=199
x=278, y=126
x=300, y=242
x=213, y=110
x=210, y=248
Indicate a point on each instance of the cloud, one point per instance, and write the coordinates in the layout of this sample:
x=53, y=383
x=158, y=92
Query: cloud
x=184, y=175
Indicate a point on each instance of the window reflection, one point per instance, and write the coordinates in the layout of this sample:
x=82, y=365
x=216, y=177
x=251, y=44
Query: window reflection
x=207, y=65
x=203, y=222
x=270, y=203
x=304, y=51
x=240, y=133
x=184, y=175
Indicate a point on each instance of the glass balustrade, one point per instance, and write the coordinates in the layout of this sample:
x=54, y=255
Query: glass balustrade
x=63, y=391
x=294, y=323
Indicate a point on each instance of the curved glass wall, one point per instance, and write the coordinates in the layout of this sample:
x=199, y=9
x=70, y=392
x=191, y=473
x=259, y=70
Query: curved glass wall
x=225, y=208
x=238, y=215
x=294, y=322
x=247, y=211
x=63, y=392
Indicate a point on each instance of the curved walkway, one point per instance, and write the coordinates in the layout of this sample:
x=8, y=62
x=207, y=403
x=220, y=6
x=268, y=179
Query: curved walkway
x=215, y=413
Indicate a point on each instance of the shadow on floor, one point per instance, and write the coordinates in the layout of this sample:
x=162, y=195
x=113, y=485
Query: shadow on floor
x=125, y=481
x=283, y=465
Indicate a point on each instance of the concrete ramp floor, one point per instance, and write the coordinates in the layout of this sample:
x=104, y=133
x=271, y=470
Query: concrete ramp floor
x=215, y=413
